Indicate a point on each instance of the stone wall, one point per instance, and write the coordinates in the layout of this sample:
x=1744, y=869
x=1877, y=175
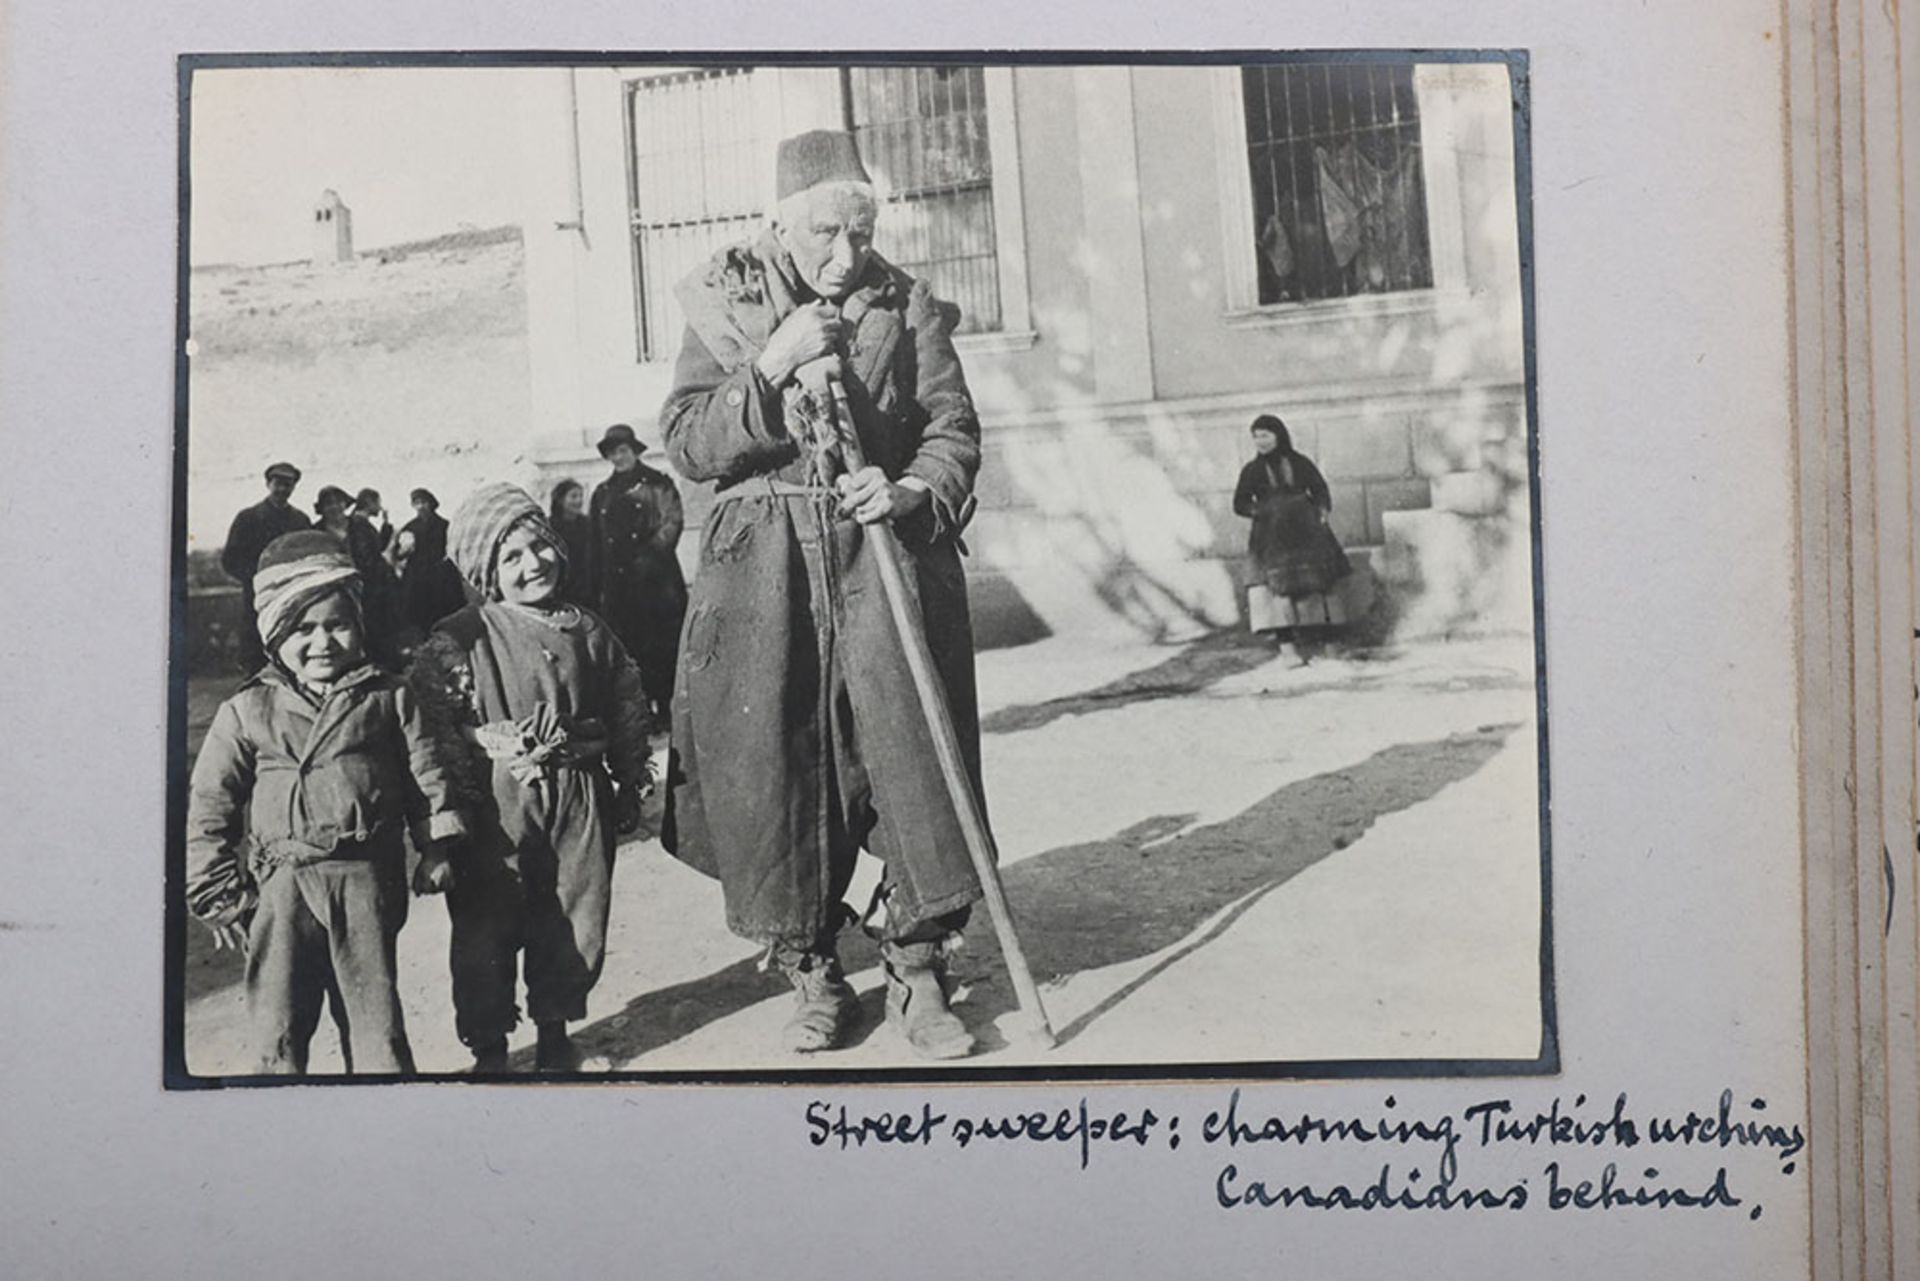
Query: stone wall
x=1119, y=521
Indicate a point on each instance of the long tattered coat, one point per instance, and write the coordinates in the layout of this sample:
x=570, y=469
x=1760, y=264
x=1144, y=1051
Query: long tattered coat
x=795, y=724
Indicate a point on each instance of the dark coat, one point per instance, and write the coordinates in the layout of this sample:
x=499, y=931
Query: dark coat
x=282, y=779
x=792, y=679
x=1287, y=499
x=637, y=520
x=380, y=588
x=577, y=533
x=429, y=532
x=252, y=529
x=429, y=584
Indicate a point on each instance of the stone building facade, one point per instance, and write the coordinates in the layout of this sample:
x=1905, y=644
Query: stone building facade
x=1146, y=257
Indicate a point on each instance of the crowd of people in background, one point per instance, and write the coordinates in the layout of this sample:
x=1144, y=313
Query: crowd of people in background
x=622, y=556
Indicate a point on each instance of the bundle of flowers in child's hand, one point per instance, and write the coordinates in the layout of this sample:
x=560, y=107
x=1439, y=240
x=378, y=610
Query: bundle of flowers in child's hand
x=534, y=744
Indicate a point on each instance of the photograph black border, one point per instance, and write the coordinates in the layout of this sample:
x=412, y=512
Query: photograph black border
x=175, y=1073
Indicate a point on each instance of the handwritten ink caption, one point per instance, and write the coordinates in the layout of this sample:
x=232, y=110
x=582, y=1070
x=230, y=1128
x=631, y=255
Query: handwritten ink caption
x=1591, y=1150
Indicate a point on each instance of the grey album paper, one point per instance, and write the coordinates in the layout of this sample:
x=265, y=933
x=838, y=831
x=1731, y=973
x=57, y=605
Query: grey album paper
x=1046, y=645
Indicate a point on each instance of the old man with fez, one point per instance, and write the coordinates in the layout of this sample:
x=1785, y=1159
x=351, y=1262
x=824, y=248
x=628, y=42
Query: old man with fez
x=797, y=735
x=252, y=529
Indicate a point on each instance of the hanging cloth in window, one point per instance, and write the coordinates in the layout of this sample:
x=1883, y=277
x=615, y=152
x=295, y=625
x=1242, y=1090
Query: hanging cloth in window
x=1367, y=210
x=1278, y=247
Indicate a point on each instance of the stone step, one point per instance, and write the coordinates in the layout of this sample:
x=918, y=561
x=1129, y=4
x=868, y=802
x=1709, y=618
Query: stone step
x=1451, y=573
x=1469, y=493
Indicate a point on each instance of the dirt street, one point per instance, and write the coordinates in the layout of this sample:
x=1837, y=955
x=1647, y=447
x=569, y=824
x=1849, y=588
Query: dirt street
x=1213, y=858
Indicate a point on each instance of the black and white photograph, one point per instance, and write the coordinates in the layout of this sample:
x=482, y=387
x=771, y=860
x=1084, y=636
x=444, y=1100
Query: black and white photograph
x=864, y=567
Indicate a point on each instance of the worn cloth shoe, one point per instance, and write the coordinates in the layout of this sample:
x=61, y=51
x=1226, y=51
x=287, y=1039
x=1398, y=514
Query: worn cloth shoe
x=553, y=1051
x=826, y=1005
x=490, y=1059
x=917, y=1000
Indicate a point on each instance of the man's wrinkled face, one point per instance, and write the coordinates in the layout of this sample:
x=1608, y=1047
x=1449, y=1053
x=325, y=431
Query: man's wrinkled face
x=829, y=231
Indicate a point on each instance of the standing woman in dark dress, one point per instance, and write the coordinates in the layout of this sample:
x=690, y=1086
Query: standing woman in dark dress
x=637, y=520
x=1295, y=556
x=429, y=584
x=567, y=510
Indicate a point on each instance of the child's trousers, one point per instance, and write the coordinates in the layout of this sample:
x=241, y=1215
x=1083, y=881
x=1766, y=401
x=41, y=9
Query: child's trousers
x=538, y=882
x=329, y=926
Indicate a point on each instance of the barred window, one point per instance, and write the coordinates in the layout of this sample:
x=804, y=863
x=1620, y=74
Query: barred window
x=1339, y=203
x=923, y=134
x=696, y=183
x=700, y=177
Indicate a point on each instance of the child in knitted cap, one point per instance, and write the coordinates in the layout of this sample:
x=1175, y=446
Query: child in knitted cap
x=295, y=844
x=556, y=719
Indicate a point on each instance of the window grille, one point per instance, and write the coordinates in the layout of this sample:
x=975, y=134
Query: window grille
x=922, y=132
x=1339, y=201
x=700, y=168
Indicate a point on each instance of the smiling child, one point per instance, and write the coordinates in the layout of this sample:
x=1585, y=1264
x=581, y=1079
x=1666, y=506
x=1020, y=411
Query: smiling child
x=556, y=721
x=296, y=810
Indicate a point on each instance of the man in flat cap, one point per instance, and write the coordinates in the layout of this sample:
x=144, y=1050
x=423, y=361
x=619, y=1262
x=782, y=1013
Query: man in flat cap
x=797, y=735
x=635, y=578
x=252, y=529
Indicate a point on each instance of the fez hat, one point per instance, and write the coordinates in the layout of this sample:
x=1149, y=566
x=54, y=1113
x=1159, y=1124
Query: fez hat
x=284, y=469
x=808, y=159
x=620, y=434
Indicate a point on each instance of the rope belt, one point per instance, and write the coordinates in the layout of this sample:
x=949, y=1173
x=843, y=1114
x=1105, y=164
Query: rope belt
x=770, y=487
x=543, y=742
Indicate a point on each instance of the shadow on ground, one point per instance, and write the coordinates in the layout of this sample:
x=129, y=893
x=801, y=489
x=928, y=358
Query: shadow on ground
x=1205, y=662
x=1081, y=907
x=1087, y=906
x=1137, y=893
x=661, y=1017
